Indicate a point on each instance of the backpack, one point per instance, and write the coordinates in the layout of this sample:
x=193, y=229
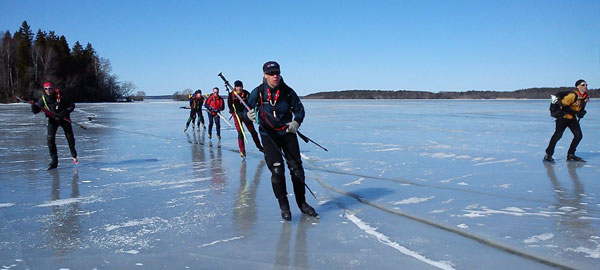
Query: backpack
x=556, y=108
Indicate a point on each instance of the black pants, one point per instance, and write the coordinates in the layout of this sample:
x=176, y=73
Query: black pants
x=217, y=121
x=561, y=125
x=68, y=129
x=288, y=143
x=192, y=117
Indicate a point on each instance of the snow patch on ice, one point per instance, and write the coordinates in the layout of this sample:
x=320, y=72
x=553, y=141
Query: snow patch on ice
x=448, y=201
x=413, y=200
x=439, y=155
x=387, y=241
x=462, y=184
x=463, y=226
x=221, y=241
x=131, y=251
x=357, y=182
x=538, y=238
x=6, y=204
x=132, y=223
x=456, y=178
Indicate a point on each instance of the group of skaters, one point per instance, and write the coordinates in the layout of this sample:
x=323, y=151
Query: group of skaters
x=279, y=113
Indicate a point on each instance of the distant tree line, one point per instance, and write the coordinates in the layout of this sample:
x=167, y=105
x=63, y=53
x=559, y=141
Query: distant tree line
x=27, y=60
x=530, y=93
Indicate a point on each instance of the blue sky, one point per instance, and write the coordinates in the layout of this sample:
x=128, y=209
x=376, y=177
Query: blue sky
x=168, y=46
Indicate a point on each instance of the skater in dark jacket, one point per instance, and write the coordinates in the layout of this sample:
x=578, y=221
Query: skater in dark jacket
x=573, y=105
x=214, y=104
x=236, y=109
x=196, y=102
x=280, y=113
x=51, y=101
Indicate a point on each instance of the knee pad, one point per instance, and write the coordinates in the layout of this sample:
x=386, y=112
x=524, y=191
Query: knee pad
x=277, y=174
x=297, y=171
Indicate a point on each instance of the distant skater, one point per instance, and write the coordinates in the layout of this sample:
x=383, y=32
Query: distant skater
x=573, y=105
x=214, y=104
x=280, y=113
x=196, y=102
x=51, y=101
x=236, y=109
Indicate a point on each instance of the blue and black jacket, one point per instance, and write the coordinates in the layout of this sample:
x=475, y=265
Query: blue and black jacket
x=275, y=107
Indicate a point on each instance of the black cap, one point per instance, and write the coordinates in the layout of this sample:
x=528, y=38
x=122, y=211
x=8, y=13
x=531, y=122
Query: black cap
x=238, y=83
x=271, y=67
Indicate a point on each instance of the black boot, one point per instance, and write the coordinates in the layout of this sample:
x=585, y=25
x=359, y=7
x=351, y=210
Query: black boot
x=548, y=158
x=573, y=157
x=284, y=205
x=308, y=210
x=52, y=165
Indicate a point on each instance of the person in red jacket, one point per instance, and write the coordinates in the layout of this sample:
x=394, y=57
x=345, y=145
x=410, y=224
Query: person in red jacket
x=214, y=104
x=236, y=109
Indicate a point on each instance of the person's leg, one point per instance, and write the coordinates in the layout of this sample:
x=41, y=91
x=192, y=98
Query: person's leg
x=274, y=162
x=577, y=136
x=291, y=150
x=561, y=125
x=51, y=141
x=238, y=127
x=254, y=134
x=210, y=124
x=218, y=125
x=68, y=129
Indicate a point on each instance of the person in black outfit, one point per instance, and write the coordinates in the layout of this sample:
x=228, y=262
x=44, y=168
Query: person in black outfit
x=196, y=101
x=280, y=113
x=51, y=101
x=573, y=105
x=236, y=109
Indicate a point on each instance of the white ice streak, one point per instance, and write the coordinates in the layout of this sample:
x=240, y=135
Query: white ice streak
x=221, y=241
x=456, y=178
x=413, y=200
x=112, y=170
x=497, y=161
x=133, y=223
x=463, y=226
x=6, y=204
x=538, y=238
x=62, y=202
x=387, y=241
x=439, y=155
x=484, y=212
x=357, y=182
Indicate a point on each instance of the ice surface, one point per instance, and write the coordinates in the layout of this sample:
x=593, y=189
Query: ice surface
x=425, y=184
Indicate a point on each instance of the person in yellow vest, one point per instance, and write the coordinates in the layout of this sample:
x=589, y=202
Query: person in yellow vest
x=573, y=105
x=62, y=108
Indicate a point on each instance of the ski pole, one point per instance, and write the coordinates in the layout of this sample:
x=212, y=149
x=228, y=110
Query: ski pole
x=220, y=115
x=306, y=139
x=49, y=113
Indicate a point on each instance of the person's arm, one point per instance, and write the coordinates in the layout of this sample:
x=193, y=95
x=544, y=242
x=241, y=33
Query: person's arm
x=37, y=107
x=567, y=101
x=252, y=100
x=230, y=98
x=297, y=107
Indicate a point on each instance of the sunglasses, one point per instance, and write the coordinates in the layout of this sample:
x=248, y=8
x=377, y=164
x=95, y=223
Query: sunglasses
x=48, y=88
x=273, y=73
x=583, y=84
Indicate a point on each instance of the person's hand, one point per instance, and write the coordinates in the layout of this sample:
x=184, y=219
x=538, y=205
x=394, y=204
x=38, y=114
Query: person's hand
x=292, y=127
x=581, y=113
x=251, y=115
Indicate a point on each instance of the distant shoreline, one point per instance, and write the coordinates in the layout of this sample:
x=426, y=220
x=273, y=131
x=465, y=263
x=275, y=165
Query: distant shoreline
x=530, y=93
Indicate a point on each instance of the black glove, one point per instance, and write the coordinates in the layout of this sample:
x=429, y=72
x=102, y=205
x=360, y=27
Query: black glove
x=581, y=113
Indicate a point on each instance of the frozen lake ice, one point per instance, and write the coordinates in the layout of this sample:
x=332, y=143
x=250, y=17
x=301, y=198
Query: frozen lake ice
x=411, y=184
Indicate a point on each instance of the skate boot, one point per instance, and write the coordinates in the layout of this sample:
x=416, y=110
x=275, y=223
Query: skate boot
x=284, y=205
x=52, y=165
x=548, y=158
x=75, y=161
x=308, y=210
x=573, y=157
